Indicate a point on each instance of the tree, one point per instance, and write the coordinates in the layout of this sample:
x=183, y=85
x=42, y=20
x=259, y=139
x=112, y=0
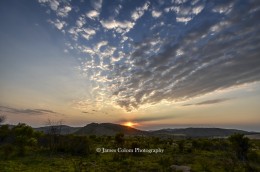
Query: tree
x=54, y=132
x=119, y=138
x=4, y=133
x=240, y=145
x=181, y=145
x=24, y=136
x=2, y=118
x=54, y=127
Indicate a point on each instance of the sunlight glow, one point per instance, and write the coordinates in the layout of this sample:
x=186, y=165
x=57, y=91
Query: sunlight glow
x=129, y=124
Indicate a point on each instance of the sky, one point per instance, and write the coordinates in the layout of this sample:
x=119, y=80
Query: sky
x=155, y=63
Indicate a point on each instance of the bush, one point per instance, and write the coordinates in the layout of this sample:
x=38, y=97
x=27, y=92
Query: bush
x=240, y=145
x=119, y=139
x=253, y=156
x=8, y=150
x=5, y=132
x=76, y=145
x=24, y=136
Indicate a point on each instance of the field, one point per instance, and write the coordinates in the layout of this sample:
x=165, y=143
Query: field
x=22, y=149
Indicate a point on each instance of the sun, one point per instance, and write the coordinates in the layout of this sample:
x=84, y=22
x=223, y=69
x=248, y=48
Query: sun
x=129, y=124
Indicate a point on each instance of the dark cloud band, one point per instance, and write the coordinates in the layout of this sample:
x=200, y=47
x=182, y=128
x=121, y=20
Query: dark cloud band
x=208, y=102
x=26, y=111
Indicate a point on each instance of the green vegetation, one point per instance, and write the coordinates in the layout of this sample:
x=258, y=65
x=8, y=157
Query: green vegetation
x=24, y=149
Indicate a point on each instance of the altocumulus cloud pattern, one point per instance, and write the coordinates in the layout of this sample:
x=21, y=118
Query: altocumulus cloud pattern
x=138, y=53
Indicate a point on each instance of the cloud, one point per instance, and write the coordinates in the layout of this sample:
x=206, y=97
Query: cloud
x=196, y=10
x=63, y=12
x=79, y=29
x=210, y=59
x=54, y=4
x=92, y=14
x=96, y=4
x=196, y=48
x=87, y=50
x=87, y=33
x=148, y=119
x=119, y=26
x=26, y=111
x=156, y=14
x=74, y=34
x=101, y=44
x=207, y=102
x=81, y=21
x=223, y=7
x=43, y=1
x=183, y=19
x=185, y=12
x=58, y=23
x=61, y=8
x=139, y=12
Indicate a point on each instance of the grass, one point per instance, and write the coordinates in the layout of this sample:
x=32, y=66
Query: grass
x=201, y=158
x=39, y=163
x=43, y=162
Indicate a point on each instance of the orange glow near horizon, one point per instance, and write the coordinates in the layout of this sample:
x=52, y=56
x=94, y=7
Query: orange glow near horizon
x=129, y=124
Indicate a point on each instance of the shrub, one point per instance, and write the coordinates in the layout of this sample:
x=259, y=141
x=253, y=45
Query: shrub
x=4, y=133
x=24, y=136
x=76, y=145
x=8, y=149
x=240, y=145
x=119, y=139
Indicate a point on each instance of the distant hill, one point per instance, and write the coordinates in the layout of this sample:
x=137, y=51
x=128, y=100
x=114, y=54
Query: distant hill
x=200, y=132
x=254, y=136
x=111, y=129
x=10, y=126
x=108, y=129
x=64, y=129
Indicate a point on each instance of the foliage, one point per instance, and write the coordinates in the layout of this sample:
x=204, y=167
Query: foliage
x=119, y=139
x=240, y=145
x=75, y=145
x=4, y=133
x=77, y=153
x=24, y=136
x=2, y=118
x=19, y=137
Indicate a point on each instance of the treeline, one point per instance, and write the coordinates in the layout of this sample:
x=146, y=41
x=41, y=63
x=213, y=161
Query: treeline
x=22, y=139
x=237, y=153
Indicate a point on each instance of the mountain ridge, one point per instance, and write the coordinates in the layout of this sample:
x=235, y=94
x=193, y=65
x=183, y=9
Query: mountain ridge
x=111, y=129
x=108, y=129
